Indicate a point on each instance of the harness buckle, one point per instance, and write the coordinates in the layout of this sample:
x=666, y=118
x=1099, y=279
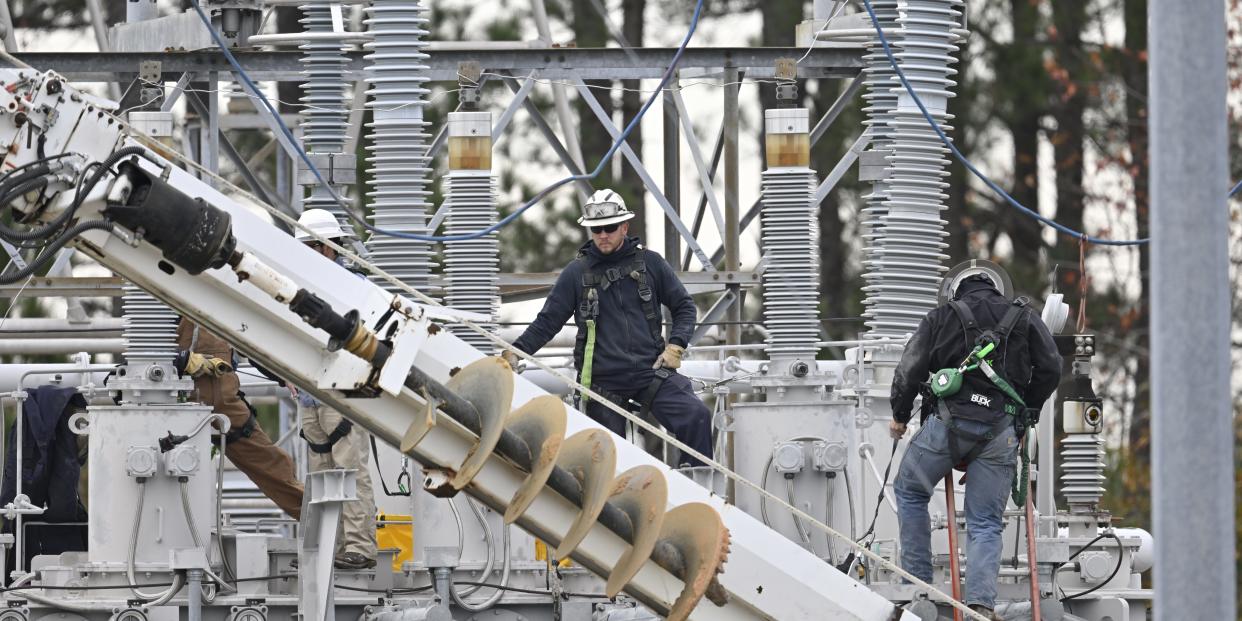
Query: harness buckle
x=644, y=290
x=613, y=274
x=589, y=309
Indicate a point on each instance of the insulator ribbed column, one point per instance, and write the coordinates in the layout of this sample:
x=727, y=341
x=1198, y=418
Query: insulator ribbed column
x=1082, y=483
x=881, y=102
x=325, y=117
x=472, y=266
x=150, y=329
x=399, y=142
x=789, y=238
x=908, y=260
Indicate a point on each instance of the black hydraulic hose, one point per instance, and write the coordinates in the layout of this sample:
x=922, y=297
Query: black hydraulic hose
x=10, y=193
x=29, y=165
x=9, y=180
x=1116, y=568
x=79, y=196
x=52, y=248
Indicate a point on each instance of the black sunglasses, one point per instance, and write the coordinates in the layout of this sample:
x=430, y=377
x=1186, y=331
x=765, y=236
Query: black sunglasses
x=607, y=228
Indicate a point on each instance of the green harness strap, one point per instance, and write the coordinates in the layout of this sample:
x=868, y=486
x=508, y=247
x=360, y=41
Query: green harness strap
x=592, y=282
x=1022, y=476
x=1000, y=382
x=588, y=353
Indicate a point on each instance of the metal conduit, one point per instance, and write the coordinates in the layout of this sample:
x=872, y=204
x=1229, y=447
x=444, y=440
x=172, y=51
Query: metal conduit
x=396, y=78
x=906, y=260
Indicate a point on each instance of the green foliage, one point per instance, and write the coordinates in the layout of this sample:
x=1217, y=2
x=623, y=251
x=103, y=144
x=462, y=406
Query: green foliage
x=48, y=13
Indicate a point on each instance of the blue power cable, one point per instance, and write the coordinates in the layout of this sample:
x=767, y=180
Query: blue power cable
x=875, y=22
x=255, y=93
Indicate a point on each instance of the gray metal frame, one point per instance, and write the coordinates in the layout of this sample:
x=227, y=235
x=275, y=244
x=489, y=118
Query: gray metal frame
x=521, y=70
x=553, y=63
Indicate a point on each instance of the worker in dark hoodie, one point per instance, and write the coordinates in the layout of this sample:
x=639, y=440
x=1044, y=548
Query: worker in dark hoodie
x=614, y=290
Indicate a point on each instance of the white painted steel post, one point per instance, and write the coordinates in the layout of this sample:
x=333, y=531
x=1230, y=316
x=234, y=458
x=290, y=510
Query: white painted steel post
x=1192, y=422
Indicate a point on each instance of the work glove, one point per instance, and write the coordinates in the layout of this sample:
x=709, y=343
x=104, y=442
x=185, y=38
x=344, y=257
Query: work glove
x=510, y=357
x=671, y=358
x=303, y=398
x=1032, y=416
x=197, y=365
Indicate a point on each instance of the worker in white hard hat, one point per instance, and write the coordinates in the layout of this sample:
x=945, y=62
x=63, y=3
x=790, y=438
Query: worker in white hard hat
x=333, y=440
x=614, y=290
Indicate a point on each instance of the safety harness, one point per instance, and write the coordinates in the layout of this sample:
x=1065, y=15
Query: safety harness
x=246, y=429
x=592, y=283
x=947, y=382
x=342, y=430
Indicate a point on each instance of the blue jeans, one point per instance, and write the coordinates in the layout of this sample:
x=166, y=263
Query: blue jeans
x=988, y=480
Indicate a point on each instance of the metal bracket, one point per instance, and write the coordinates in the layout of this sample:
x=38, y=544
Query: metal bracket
x=326, y=491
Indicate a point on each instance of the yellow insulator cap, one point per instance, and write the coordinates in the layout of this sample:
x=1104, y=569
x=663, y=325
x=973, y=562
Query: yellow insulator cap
x=470, y=153
x=787, y=139
x=470, y=140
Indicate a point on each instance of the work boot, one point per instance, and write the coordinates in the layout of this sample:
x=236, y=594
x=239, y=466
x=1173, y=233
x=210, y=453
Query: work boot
x=985, y=611
x=353, y=560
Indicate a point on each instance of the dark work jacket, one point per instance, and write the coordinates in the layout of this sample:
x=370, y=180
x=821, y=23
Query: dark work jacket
x=625, y=349
x=50, y=471
x=1028, y=360
x=50, y=454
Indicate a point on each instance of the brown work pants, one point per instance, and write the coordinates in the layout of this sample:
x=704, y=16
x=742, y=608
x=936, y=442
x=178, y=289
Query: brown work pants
x=266, y=464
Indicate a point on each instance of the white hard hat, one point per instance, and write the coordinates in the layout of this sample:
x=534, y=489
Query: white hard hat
x=603, y=208
x=322, y=222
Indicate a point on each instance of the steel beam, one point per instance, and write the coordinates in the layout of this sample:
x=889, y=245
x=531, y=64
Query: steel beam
x=714, y=313
x=272, y=124
x=239, y=163
x=821, y=192
x=717, y=151
x=1192, y=434
x=560, y=97
x=636, y=162
x=101, y=286
x=732, y=230
x=6, y=25
x=557, y=63
x=732, y=240
x=534, y=286
x=672, y=167
x=584, y=187
x=507, y=116
x=705, y=175
x=842, y=167
x=170, y=98
x=843, y=100
x=690, y=279
x=45, y=346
